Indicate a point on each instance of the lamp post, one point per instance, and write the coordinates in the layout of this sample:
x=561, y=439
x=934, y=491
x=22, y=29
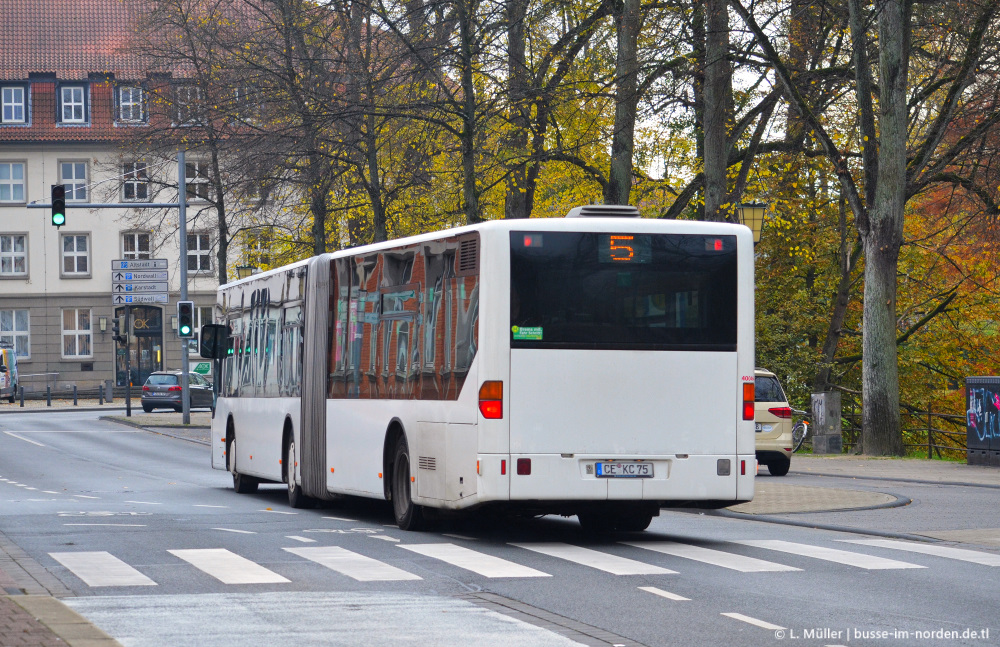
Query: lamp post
x=243, y=271
x=752, y=215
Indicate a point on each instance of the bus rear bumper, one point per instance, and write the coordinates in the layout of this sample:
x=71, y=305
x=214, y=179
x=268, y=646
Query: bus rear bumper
x=569, y=477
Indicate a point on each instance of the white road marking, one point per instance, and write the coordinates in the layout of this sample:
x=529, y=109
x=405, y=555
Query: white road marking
x=752, y=621
x=383, y=537
x=101, y=569
x=121, y=525
x=278, y=511
x=202, y=505
x=84, y=496
x=715, y=557
x=50, y=492
x=144, y=502
x=595, y=559
x=228, y=567
x=962, y=554
x=463, y=537
x=13, y=435
x=353, y=565
x=859, y=560
x=304, y=540
x=342, y=519
x=470, y=560
x=664, y=594
x=242, y=532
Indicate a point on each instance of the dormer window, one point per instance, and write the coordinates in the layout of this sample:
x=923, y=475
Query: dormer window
x=13, y=104
x=73, y=104
x=131, y=104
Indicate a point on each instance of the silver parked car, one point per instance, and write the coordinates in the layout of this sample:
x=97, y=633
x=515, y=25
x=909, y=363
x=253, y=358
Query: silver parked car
x=162, y=390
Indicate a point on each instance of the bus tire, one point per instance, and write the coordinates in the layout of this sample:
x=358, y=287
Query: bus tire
x=636, y=520
x=242, y=483
x=409, y=516
x=296, y=497
x=780, y=467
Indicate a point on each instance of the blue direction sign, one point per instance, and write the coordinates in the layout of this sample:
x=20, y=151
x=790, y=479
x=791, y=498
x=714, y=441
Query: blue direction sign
x=132, y=299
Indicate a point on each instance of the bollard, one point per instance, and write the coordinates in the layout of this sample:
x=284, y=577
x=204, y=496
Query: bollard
x=22, y=397
x=109, y=391
x=100, y=396
x=74, y=395
x=48, y=396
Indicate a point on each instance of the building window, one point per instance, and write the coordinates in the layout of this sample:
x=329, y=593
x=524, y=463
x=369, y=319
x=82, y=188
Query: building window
x=257, y=250
x=73, y=104
x=131, y=104
x=14, y=99
x=76, y=255
x=136, y=181
x=187, y=101
x=76, y=332
x=11, y=182
x=135, y=246
x=73, y=175
x=199, y=253
x=13, y=255
x=14, y=331
x=196, y=174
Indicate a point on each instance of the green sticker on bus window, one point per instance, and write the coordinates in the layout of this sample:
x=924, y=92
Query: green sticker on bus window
x=527, y=333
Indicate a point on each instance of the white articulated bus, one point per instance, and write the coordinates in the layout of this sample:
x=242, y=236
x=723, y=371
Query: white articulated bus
x=598, y=365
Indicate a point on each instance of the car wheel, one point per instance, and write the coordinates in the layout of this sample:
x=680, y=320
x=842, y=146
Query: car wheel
x=147, y=408
x=780, y=467
x=409, y=516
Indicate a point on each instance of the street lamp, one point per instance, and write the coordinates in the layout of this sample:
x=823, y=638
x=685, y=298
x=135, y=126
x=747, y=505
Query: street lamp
x=752, y=215
x=243, y=271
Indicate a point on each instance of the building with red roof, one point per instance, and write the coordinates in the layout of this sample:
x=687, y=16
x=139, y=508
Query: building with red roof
x=70, y=92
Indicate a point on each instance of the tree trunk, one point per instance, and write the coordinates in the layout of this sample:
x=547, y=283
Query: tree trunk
x=515, y=203
x=842, y=299
x=628, y=22
x=881, y=434
x=470, y=193
x=718, y=90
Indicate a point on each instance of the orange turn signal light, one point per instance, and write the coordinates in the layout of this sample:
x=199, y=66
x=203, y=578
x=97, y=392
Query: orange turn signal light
x=491, y=399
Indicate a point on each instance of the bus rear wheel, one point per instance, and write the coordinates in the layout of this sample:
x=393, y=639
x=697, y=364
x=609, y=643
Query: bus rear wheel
x=296, y=497
x=409, y=516
x=242, y=483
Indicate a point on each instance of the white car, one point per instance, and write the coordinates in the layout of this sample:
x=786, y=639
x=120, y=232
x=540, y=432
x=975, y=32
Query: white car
x=773, y=423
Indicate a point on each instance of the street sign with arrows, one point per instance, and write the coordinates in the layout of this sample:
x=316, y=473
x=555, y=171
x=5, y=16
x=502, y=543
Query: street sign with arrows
x=139, y=281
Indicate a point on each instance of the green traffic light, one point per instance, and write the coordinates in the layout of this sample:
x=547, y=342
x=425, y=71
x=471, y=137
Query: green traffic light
x=185, y=330
x=58, y=219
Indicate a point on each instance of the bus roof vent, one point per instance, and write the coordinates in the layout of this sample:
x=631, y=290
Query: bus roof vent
x=604, y=211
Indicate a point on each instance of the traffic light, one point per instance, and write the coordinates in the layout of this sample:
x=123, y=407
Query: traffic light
x=58, y=205
x=116, y=328
x=185, y=319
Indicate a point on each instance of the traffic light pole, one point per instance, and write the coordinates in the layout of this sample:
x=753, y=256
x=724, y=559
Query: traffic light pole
x=181, y=206
x=185, y=360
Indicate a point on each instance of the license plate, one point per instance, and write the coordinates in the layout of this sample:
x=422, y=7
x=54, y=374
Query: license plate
x=625, y=469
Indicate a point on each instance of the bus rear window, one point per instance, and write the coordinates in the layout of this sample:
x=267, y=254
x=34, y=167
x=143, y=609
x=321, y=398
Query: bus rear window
x=623, y=291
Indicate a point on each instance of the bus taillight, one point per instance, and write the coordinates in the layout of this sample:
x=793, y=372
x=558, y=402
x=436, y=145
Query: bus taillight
x=748, y=413
x=491, y=400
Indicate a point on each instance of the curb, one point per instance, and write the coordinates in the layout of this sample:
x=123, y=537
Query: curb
x=151, y=427
x=823, y=526
x=989, y=486
x=67, y=624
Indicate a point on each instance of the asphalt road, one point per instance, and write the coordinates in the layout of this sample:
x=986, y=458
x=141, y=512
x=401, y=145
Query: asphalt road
x=158, y=550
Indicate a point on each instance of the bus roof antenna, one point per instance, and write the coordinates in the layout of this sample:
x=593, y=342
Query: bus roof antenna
x=604, y=211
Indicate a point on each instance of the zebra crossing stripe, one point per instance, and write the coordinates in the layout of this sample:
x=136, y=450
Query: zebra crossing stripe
x=715, y=557
x=228, y=567
x=100, y=568
x=353, y=565
x=471, y=560
x=962, y=554
x=595, y=559
x=848, y=558
x=664, y=594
